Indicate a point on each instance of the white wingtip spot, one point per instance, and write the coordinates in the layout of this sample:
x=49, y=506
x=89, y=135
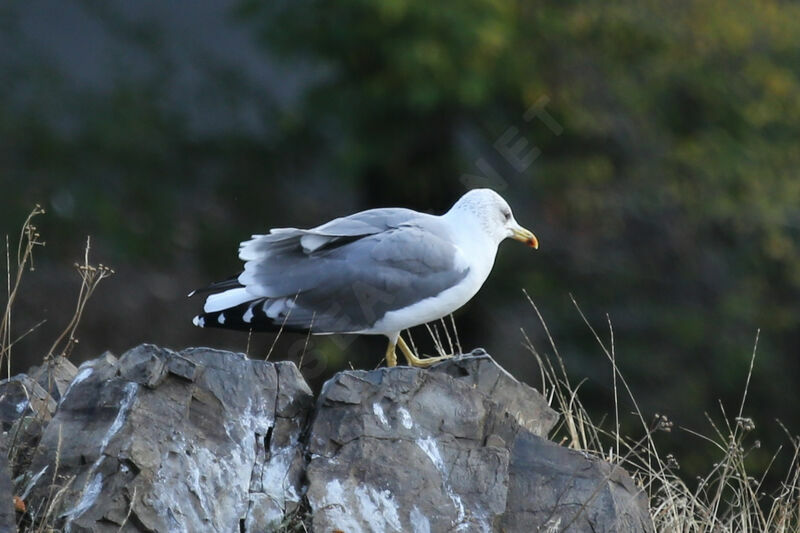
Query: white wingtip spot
x=221, y=318
x=199, y=321
x=191, y=294
x=248, y=315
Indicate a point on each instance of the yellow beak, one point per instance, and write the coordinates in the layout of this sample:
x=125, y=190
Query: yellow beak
x=521, y=234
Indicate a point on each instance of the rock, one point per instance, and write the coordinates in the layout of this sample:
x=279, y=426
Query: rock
x=458, y=447
x=22, y=396
x=7, y=515
x=206, y=440
x=25, y=410
x=143, y=366
x=54, y=376
x=552, y=488
x=522, y=402
x=165, y=441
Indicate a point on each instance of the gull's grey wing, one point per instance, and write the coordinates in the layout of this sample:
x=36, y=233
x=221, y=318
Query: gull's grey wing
x=347, y=284
x=283, y=240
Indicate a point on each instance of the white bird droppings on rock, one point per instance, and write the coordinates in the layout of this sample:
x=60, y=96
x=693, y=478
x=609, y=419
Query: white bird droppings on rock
x=334, y=502
x=405, y=418
x=378, y=508
x=378, y=410
x=419, y=521
x=90, y=494
x=428, y=445
x=85, y=372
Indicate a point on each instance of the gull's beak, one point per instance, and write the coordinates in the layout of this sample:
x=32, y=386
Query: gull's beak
x=518, y=233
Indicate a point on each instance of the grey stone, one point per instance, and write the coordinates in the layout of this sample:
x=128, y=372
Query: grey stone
x=142, y=365
x=22, y=396
x=25, y=410
x=55, y=375
x=206, y=440
x=553, y=488
x=165, y=441
x=7, y=515
x=458, y=447
x=521, y=401
x=184, y=368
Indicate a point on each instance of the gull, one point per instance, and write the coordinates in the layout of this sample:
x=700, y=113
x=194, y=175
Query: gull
x=376, y=272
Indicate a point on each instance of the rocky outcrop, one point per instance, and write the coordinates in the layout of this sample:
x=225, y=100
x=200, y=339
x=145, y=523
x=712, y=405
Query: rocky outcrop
x=459, y=447
x=206, y=440
x=165, y=441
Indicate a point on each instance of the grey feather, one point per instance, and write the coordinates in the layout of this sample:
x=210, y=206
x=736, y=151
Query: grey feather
x=283, y=240
x=352, y=271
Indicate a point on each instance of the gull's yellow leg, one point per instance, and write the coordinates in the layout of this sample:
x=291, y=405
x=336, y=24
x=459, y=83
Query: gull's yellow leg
x=391, y=357
x=413, y=360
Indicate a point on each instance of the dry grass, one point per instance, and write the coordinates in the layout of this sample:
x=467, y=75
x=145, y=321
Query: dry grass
x=297, y=521
x=729, y=498
x=41, y=515
x=28, y=240
x=90, y=275
x=445, y=342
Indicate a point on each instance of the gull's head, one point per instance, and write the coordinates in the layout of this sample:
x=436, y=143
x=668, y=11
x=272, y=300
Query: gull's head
x=493, y=215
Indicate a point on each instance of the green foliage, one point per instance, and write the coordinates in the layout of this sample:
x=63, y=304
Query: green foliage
x=670, y=198
x=667, y=197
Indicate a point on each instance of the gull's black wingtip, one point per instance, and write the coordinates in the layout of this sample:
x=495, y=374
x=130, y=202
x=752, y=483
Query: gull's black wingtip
x=230, y=283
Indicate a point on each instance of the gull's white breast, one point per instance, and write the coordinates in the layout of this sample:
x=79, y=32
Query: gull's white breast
x=478, y=259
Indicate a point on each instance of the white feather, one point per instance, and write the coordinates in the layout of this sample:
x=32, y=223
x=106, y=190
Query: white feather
x=248, y=315
x=248, y=279
x=248, y=250
x=311, y=242
x=227, y=299
x=275, y=308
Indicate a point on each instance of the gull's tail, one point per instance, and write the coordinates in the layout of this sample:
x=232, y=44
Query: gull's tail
x=245, y=317
x=236, y=308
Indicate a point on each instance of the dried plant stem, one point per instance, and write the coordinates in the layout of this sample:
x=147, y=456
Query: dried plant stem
x=305, y=345
x=28, y=240
x=455, y=333
x=49, y=504
x=280, y=330
x=45, y=514
x=130, y=510
x=91, y=276
x=450, y=348
x=433, y=331
x=5, y=327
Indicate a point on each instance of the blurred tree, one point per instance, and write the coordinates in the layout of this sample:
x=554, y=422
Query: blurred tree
x=669, y=198
x=662, y=180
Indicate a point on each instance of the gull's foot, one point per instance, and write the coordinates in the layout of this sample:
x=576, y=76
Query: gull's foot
x=425, y=362
x=391, y=357
x=413, y=360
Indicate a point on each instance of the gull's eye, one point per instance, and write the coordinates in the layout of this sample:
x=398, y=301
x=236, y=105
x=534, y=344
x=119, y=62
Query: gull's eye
x=507, y=215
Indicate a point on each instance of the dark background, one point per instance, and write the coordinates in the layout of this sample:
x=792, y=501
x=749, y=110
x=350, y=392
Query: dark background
x=652, y=147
